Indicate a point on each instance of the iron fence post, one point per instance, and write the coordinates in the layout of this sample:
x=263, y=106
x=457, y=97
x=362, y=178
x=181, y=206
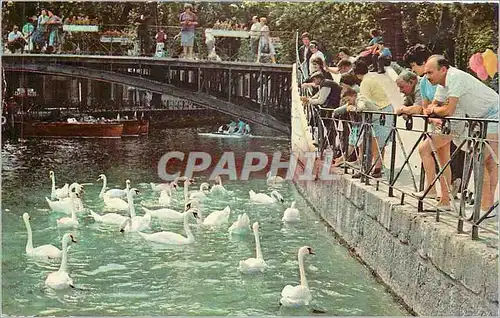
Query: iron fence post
x=478, y=186
x=393, y=156
x=420, y=205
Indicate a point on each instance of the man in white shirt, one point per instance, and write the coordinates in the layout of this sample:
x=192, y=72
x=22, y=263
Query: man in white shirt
x=254, y=36
x=466, y=95
x=15, y=40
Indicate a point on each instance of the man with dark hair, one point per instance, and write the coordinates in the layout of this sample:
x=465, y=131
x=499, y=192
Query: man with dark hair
x=15, y=40
x=328, y=94
x=305, y=53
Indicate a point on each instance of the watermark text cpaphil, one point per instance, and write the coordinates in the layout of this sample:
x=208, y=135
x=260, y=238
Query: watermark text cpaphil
x=243, y=167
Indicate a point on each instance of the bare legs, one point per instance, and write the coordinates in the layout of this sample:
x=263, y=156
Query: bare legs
x=490, y=179
x=442, y=146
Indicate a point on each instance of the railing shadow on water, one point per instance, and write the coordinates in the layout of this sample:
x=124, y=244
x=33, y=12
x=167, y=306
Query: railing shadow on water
x=330, y=132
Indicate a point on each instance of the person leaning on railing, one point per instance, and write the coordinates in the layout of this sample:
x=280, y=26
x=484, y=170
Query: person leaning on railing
x=354, y=103
x=372, y=89
x=328, y=94
x=319, y=64
x=467, y=96
x=415, y=104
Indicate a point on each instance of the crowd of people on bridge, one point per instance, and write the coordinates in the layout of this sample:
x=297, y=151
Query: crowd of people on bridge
x=431, y=86
x=44, y=34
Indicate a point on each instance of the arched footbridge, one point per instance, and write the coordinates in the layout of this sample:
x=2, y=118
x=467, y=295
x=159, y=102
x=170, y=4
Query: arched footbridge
x=258, y=93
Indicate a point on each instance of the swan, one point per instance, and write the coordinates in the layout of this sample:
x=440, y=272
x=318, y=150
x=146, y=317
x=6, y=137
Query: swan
x=240, y=226
x=218, y=188
x=296, y=296
x=112, y=193
x=73, y=220
x=44, y=251
x=291, y=214
x=162, y=186
x=108, y=218
x=173, y=238
x=78, y=189
x=202, y=193
x=165, y=198
x=115, y=203
x=64, y=206
x=165, y=214
x=273, y=179
x=58, y=193
x=140, y=222
x=187, y=183
x=274, y=197
x=61, y=279
x=257, y=264
x=217, y=218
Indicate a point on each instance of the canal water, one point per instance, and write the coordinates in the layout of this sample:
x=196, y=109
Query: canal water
x=121, y=274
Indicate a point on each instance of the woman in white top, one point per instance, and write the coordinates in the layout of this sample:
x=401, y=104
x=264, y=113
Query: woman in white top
x=315, y=53
x=265, y=44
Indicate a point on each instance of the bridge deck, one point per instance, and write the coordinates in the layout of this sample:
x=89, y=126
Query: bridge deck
x=144, y=60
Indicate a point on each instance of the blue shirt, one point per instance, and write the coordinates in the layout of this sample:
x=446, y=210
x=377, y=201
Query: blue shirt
x=385, y=52
x=427, y=90
x=375, y=40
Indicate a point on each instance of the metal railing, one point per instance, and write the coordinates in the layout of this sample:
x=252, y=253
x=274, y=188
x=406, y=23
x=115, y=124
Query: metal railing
x=325, y=130
x=124, y=40
x=331, y=133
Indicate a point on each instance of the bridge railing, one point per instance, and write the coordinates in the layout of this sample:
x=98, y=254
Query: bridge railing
x=120, y=40
x=336, y=136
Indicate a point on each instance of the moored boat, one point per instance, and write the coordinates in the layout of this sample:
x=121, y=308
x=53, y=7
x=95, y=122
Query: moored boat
x=38, y=129
x=144, y=127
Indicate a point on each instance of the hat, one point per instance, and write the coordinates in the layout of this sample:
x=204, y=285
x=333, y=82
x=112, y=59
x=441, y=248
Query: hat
x=316, y=74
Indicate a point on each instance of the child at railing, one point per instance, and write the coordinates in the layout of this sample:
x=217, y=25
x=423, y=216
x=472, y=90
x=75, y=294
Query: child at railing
x=354, y=103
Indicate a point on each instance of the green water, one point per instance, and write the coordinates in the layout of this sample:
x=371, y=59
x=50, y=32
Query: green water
x=121, y=274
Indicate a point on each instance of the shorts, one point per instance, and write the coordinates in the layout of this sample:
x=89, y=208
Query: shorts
x=492, y=113
x=187, y=38
x=353, y=136
x=381, y=132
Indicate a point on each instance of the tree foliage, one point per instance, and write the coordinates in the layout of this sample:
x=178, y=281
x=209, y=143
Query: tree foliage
x=455, y=29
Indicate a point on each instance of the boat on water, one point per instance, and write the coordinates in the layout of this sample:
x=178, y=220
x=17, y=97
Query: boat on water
x=89, y=127
x=134, y=127
x=40, y=129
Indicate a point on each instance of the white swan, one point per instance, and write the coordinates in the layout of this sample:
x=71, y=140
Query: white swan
x=44, y=251
x=296, y=296
x=240, y=226
x=112, y=193
x=78, y=189
x=266, y=199
x=257, y=264
x=273, y=179
x=165, y=214
x=61, y=279
x=115, y=203
x=63, y=206
x=202, y=193
x=291, y=214
x=165, y=198
x=140, y=222
x=108, y=218
x=219, y=188
x=173, y=238
x=73, y=220
x=217, y=218
x=162, y=186
x=58, y=193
